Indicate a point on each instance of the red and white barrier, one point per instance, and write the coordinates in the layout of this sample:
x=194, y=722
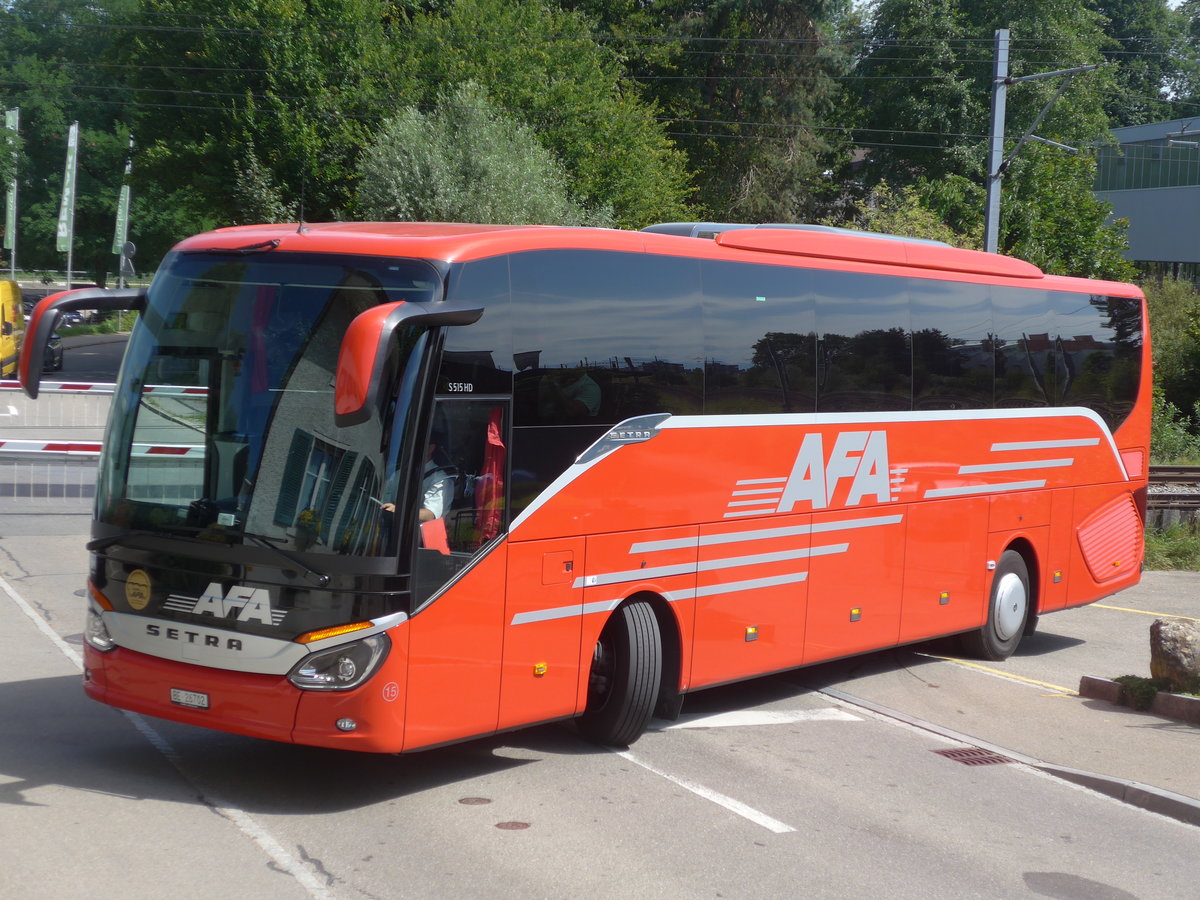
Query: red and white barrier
x=92, y=448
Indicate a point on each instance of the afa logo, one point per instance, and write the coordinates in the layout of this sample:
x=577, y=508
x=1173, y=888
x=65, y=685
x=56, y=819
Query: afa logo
x=854, y=471
x=241, y=603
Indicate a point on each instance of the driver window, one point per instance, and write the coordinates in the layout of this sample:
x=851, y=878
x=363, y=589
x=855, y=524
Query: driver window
x=463, y=491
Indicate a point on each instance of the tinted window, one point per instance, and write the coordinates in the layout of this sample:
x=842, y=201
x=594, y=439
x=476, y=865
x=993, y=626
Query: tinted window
x=1098, y=353
x=599, y=337
x=1025, y=330
x=760, y=339
x=478, y=358
x=864, y=353
x=953, y=361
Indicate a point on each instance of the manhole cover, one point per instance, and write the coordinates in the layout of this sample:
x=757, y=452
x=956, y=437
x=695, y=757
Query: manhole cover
x=512, y=826
x=474, y=801
x=974, y=756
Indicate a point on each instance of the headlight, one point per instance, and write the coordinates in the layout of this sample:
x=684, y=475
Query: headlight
x=95, y=632
x=342, y=668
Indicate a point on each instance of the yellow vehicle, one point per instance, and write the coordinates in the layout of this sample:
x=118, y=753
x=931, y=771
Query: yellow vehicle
x=12, y=326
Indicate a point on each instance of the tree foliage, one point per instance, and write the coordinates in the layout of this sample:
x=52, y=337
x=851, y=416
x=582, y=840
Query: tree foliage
x=544, y=66
x=750, y=89
x=754, y=110
x=463, y=161
x=926, y=94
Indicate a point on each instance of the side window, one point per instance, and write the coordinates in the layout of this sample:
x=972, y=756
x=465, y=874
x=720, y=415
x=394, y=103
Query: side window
x=760, y=340
x=463, y=492
x=478, y=358
x=1025, y=334
x=953, y=359
x=864, y=350
x=600, y=337
x=1098, y=353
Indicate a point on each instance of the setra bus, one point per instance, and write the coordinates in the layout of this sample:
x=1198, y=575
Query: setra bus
x=390, y=486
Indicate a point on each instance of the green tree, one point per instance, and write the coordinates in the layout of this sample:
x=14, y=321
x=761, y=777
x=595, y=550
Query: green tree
x=465, y=162
x=750, y=89
x=43, y=46
x=1174, y=308
x=1052, y=218
x=908, y=212
x=257, y=109
x=926, y=86
x=545, y=66
x=1145, y=38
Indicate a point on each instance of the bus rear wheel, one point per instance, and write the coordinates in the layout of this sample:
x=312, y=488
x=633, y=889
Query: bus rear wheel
x=1008, y=611
x=625, y=677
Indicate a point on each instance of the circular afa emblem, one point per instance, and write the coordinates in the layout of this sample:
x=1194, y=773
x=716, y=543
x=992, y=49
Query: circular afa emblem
x=391, y=692
x=137, y=589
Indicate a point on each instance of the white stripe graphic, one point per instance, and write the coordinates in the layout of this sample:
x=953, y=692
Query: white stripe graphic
x=711, y=565
x=564, y=612
x=732, y=587
x=1016, y=466
x=1045, y=445
x=763, y=534
x=984, y=489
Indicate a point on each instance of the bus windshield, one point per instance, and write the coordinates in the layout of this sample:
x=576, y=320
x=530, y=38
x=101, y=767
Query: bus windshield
x=223, y=419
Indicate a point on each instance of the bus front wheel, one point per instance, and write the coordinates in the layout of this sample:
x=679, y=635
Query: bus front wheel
x=1008, y=610
x=625, y=676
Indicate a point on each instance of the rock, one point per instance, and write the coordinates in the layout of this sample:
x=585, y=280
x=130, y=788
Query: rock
x=1175, y=651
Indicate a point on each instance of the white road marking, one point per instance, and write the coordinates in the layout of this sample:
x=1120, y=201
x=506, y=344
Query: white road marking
x=304, y=874
x=734, y=806
x=748, y=717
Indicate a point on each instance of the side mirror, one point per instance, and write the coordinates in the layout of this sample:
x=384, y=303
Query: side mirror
x=365, y=348
x=45, y=315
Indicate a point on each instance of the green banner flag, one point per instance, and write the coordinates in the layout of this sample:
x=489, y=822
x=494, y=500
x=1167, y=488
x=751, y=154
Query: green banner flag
x=66, y=212
x=12, y=121
x=121, y=235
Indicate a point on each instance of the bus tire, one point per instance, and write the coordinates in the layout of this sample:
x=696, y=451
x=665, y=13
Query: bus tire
x=625, y=676
x=1008, y=611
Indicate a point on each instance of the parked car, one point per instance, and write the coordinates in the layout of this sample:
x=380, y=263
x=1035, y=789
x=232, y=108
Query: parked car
x=53, y=360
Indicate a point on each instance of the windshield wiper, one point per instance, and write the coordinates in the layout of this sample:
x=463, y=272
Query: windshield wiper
x=101, y=543
x=261, y=246
x=320, y=579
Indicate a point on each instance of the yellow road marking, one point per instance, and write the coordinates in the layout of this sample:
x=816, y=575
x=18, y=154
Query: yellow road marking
x=1146, y=612
x=1003, y=674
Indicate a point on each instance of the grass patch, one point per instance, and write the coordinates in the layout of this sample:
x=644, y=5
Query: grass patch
x=110, y=324
x=1139, y=692
x=1174, y=547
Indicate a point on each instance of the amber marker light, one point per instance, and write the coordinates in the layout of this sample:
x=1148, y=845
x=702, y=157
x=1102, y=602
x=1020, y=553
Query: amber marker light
x=99, y=597
x=95, y=631
x=320, y=634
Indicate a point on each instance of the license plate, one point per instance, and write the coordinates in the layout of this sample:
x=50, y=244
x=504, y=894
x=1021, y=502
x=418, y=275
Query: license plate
x=194, y=699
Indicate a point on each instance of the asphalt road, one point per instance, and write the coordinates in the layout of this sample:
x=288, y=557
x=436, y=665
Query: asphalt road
x=773, y=788
x=90, y=358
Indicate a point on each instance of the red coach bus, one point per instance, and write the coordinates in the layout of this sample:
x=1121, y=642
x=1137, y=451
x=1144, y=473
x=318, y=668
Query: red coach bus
x=389, y=486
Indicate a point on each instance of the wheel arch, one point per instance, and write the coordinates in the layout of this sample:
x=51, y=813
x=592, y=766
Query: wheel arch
x=1033, y=567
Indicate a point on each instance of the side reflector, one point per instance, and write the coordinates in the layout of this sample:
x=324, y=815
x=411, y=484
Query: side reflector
x=1135, y=463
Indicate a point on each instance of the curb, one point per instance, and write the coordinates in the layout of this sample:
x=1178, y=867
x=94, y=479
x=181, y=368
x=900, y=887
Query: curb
x=1143, y=796
x=1183, y=707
